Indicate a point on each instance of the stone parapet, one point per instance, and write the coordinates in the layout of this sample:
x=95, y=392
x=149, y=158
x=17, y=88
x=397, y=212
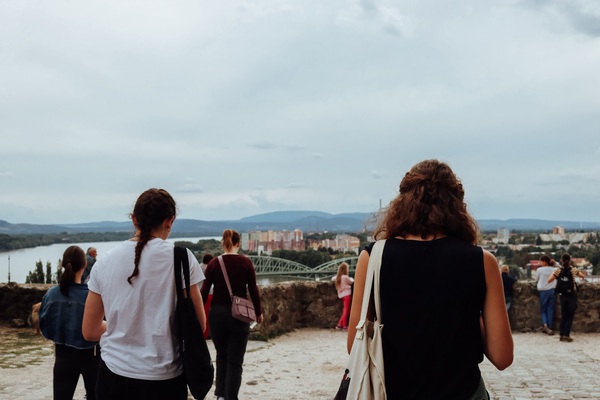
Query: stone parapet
x=525, y=315
x=300, y=304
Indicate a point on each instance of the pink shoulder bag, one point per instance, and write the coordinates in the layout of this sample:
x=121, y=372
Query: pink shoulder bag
x=241, y=308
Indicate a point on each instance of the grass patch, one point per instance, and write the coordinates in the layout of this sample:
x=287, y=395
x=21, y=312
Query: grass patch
x=22, y=347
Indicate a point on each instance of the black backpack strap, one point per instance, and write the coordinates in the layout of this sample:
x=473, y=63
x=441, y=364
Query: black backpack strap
x=181, y=263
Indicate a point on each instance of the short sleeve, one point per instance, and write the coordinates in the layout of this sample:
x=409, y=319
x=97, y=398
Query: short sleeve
x=93, y=282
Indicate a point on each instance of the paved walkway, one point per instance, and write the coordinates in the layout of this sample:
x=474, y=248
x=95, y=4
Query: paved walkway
x=307, y=364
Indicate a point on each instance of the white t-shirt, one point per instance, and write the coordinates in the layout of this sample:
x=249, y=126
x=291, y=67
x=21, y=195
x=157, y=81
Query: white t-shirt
x=139, y=341
x=542, y=274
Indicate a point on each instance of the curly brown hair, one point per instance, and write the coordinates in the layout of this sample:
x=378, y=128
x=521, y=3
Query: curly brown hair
x=430, y=202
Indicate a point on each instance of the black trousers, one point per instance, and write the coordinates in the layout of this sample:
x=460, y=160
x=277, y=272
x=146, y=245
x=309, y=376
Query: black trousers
x=230, y=337
x=116, y=387
x=568, y=305
x=69, y=364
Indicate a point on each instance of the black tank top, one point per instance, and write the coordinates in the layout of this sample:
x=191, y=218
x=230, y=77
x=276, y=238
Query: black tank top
x=432, y=293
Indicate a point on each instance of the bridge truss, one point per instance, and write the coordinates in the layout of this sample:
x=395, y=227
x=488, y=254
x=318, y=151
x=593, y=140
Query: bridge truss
x=273, y=266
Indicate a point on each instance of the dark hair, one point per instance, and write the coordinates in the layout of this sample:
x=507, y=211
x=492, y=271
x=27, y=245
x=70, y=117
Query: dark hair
x=151, y=209
x=430, y=202
x=545, y=258
x=565, y=260
x=206, y=259
x=73, y=261
x=230, y=238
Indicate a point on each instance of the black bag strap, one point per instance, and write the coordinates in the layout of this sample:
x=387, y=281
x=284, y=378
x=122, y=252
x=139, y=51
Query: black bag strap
x=181, y=263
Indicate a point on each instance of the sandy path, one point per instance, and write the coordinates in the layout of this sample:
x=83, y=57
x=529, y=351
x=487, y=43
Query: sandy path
x=308, y=364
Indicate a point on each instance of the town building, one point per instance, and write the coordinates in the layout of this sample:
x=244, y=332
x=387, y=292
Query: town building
x=265, y=242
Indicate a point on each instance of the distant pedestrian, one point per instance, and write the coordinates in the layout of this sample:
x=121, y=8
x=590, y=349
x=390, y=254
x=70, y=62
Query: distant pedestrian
x=508, y=283
x=90, y=255
x=60, y=320
x=343, y=284
x=546, y=292
x=567, y=292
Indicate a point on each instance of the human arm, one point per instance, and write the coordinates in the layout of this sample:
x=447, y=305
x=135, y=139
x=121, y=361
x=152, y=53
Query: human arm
x=495, y=327
x=360, y=277
x=93, y=325
x=206, y=284
x=553, y=276
x=254, y=293
x=198, y=305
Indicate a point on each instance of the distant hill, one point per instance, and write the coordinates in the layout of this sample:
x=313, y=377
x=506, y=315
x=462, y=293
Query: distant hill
x=307, y=221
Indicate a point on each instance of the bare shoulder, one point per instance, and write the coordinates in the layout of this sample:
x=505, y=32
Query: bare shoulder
x=489, y=260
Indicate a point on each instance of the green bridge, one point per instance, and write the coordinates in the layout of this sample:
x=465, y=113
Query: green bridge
x=266, y=266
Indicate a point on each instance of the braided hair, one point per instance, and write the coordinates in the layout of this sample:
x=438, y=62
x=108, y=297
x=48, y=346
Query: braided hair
x=73, y=261
x=151, y=209
x=430, y=202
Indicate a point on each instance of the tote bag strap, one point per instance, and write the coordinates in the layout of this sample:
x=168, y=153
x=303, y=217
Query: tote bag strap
x=225, y=274
x=372, y=281
x=181, y=263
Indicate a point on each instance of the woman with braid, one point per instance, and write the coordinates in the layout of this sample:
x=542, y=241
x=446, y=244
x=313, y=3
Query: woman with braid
x=435, y=333
x=61, y=315
x=133, y=288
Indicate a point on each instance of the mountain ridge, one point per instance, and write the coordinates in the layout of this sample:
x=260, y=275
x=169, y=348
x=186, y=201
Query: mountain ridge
x=308, y=221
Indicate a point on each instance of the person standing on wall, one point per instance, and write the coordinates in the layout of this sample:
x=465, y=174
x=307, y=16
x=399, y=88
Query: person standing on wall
x=230, y=335
x=434, y=337
x=60, y=319
x=546, y=292
x=343, y=284
x=133, y=286
x=567, y=293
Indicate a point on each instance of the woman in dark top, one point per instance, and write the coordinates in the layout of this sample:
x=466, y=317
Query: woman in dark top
x=436, y=332
x=228, y=334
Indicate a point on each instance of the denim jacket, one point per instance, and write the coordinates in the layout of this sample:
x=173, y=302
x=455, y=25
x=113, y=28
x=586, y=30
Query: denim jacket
x=61, y=317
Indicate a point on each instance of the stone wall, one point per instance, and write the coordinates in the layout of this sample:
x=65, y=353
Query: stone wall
x=525, y=313
x=291, y=305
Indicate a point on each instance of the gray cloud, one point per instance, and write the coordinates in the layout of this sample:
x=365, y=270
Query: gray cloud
x=241, y=108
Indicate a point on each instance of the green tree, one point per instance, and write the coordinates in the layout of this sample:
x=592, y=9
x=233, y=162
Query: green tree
x=37, y=275
x=48, y=272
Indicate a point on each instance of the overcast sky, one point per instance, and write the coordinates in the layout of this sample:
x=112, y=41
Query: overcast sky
x=246, y=107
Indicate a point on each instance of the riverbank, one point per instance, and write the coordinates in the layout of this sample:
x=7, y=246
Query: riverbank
x=308, y=363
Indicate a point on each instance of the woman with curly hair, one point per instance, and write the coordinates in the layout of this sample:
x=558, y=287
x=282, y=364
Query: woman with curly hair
x=437, y=330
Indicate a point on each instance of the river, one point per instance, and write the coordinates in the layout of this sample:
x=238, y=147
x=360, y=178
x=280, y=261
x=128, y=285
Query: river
x=23, y=261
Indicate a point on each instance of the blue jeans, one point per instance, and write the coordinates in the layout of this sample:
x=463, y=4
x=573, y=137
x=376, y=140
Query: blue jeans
x=547, y=306
x=230, y=337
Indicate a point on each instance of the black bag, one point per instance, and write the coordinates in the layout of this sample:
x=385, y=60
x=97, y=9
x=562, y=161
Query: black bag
x=565, y=283
x=197, y=364
x=342, y=393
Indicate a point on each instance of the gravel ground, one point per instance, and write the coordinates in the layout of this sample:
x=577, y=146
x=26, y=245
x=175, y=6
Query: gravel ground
x=308, y=364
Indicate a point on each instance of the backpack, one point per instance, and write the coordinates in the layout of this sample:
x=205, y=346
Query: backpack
x=565, y=283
